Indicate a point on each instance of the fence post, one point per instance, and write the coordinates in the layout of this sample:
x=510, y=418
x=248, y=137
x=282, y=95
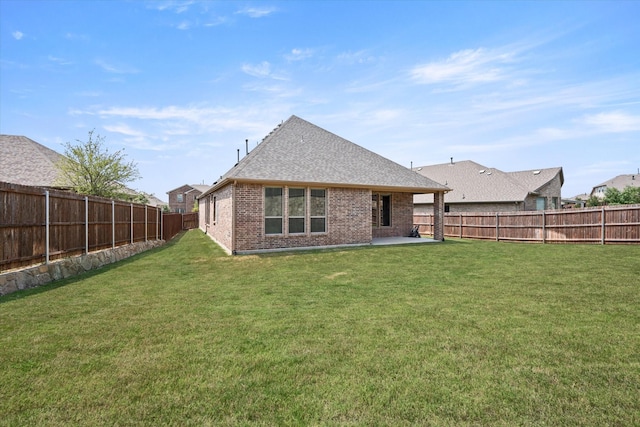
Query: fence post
x=86, y=224
x=161, y=227
x=460, y=225
x=145, y=223
x=544, y=227
x=131, y=223
x=113, y=224
x=497, y=226
x=46, y=226
x=603, y=231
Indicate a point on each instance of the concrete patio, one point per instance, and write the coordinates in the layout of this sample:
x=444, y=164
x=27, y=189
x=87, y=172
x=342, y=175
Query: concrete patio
x=382, y=241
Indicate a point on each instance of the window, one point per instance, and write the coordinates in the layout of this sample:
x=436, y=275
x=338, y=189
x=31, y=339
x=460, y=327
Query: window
x=318, y=211
x=180, y=198
x=306, y=210
x=207, y=208
x=380, y=210
x=273, y=210
x=215, y=211
x=297, y=210
x=541, y=203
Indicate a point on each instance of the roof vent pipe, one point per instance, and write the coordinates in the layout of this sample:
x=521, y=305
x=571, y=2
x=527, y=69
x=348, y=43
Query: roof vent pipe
x=451, y=160
x=238, y=155
x=246, y=143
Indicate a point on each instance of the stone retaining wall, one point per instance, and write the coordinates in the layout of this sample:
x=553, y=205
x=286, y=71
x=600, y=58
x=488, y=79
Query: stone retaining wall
x=39, y=275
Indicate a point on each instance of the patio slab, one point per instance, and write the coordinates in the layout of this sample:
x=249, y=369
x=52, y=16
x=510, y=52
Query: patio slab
x=381, y=241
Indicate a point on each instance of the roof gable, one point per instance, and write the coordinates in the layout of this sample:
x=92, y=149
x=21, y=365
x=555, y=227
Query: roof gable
x=26, y=162
x=300, y=152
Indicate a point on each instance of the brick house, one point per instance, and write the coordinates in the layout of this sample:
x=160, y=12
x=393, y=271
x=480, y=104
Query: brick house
x=619, y=182
x=183, y=198
x=477, y=188
x=303, y=186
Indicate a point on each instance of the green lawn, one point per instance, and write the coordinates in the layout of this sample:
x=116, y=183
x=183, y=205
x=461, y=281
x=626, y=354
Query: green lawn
x=452, y=334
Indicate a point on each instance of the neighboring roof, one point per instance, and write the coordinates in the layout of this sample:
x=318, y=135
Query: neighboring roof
x=475, y=183
x=535, y=179
x=24, y=161
x=620, y=182
x=198, y=187
x=300, y=152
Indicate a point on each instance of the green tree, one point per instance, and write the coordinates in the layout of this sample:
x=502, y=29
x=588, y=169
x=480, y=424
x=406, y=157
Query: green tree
x=593, y=201
x=89, y=168
x=630, y=195
x=612, y=196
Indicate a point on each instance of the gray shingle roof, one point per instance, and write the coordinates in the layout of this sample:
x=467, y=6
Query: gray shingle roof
x=300, y=152
x=474, y=183
x=620, y=182
x=24, y=161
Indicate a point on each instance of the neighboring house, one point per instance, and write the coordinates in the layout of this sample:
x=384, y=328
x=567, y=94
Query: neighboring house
x=183, y=198
x=619, y=183
x=303, y=186
x=478, y=188
x=26, y=162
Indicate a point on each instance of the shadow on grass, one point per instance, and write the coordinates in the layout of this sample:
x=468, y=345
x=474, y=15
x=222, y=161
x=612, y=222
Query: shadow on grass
x=91, y=273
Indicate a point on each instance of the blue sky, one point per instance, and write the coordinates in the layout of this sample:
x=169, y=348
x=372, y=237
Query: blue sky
x=180, y=85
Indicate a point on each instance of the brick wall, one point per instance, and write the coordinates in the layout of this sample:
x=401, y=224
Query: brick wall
x=189, y=195
x=401, y=217
x=348, y=219
x=550, y=190
x=220, y=227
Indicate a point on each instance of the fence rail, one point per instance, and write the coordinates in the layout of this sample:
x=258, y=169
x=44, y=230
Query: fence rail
x=602, y=225
x=39, y=225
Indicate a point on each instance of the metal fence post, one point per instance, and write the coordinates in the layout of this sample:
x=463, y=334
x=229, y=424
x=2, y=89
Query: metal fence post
x=86, y=224
x=46, y=226
x=113, y=224
x=131, y=223
x=604, y=227
x=146, y=214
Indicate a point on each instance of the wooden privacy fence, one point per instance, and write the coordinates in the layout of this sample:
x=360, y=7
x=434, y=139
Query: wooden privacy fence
x=38, y=225
x=173, y=223
x=603, y=225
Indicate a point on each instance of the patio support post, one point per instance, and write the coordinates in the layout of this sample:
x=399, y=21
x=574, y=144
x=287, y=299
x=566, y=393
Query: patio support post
x=438, y=216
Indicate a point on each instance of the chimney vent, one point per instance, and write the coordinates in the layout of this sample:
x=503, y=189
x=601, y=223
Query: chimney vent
x=451, y=160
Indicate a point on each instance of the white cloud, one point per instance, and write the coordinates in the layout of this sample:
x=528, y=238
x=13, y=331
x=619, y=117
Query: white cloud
x=184, y=25
x=299, y=54
x=468, y=66
x=613, y=122
x=358, y=57
x=116, y=68
x=124, y=129
x=256, y=12
x=262, y=70
x=18, y=35
x=59, y=61
x=172, y=5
